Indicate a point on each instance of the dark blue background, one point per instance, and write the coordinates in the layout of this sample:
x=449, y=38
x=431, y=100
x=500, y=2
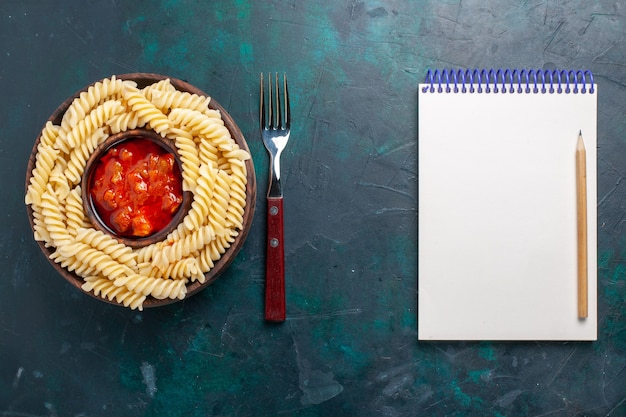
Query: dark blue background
x=349, y=346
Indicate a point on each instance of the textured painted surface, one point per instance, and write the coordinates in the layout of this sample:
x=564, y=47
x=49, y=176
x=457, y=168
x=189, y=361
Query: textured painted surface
x=349, y=346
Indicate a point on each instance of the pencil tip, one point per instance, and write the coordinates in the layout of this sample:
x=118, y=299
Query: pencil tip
x=580, y=132
x=580, y=144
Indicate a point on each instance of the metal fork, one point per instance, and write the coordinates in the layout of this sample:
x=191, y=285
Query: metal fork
x=275, y=121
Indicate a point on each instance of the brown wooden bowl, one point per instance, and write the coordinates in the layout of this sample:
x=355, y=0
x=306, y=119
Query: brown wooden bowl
x=143, y=80
x=92, y=212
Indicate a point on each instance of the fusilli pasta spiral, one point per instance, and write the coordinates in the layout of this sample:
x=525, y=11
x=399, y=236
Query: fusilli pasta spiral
x=147, y=112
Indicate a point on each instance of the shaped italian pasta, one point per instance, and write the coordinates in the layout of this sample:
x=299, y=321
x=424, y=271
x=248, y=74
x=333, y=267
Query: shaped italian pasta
x=44, y=164
x=203, y=194
x=72, y=264
x=197, y=122
x=147, y=112
x=105, y=288
x=54, y=219
x=156, y=287
x=186, y=268
x=125, y=121
x=49, y=134
x=184, y=247
x=214, y=250
x=189, y=157
x=95, y=119
x=158, y=87
x=172, y=99
x=40, y=231
x=218, y=209
x=99, y=261
x=108, y=245
x=237, y=202
x=208, y=153
x=75, y=213
x=95, y=95
x=80, y=154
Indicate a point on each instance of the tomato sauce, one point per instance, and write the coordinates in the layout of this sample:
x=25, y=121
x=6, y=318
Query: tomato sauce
x=136, y=188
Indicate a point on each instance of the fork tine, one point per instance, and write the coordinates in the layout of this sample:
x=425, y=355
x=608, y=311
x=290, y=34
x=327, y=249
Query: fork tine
x=262, y=106
x=270, y=105
x=287, y=108
x=278, y=119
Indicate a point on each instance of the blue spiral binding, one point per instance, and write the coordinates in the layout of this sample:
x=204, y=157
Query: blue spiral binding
x=496, y=81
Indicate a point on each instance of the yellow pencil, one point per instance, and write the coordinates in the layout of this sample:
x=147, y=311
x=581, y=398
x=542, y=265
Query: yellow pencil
x=581, y=203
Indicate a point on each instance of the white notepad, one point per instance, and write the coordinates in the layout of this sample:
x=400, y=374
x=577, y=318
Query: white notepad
x=497, y=237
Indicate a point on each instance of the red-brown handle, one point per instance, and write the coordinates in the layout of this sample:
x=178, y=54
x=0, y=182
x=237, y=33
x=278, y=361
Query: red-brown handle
x=275, y=309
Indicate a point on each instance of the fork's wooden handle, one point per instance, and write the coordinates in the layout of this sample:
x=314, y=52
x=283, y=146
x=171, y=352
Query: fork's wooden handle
x=275, y=262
